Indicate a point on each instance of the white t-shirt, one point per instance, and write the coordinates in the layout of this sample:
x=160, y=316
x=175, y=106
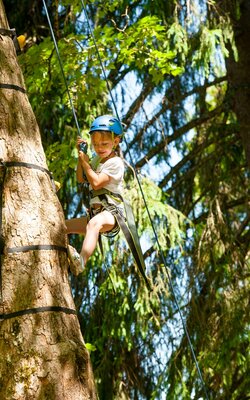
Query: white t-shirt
x=114, y=168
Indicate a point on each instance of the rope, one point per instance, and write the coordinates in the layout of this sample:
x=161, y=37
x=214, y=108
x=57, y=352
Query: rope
x=149, y=215
x=61, y=67
x=85, y=199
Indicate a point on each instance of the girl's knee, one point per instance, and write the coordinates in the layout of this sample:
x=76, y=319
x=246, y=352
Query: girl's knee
x=94, y=223
x=102, y=222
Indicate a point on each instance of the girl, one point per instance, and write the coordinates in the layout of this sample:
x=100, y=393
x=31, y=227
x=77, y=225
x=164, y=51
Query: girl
x=104, y=172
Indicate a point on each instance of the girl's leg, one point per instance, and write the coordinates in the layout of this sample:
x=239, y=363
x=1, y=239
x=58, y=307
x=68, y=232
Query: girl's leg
x=102, y=222
x=76, y=225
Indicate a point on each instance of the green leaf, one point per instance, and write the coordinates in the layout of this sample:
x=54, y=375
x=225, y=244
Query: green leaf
x=90, y=347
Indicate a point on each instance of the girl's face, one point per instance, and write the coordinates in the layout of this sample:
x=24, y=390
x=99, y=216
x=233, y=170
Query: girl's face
x=104, y=143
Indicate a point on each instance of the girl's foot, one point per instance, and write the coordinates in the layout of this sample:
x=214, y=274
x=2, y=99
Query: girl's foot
x=76, y=263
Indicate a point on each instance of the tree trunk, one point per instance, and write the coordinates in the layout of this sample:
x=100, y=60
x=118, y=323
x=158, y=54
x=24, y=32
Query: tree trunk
x=238, y=72
x=43, y=355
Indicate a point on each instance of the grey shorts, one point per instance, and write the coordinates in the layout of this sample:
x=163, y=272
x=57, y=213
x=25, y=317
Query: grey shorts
x=113, y=210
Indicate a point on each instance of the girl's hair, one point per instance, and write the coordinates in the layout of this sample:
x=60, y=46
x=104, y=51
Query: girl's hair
x=118, y=150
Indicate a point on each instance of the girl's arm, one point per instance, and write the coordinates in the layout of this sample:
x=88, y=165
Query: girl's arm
x=79, y=172
x=79, y=168
x=97, y=181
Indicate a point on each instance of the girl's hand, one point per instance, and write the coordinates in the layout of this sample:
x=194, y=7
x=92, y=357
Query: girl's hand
x=79, y=141
x=84, y=158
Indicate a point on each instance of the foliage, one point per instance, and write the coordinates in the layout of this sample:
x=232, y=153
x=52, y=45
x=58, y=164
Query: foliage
x=167, y=67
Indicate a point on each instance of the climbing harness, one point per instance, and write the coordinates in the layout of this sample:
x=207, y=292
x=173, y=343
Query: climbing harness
x=127, y=226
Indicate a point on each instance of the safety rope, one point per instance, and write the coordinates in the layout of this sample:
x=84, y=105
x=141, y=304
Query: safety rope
x=61, y=68
x=86, y=202
x=148, y=212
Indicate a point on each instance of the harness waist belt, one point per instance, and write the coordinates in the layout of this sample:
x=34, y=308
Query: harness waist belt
x=97, y=193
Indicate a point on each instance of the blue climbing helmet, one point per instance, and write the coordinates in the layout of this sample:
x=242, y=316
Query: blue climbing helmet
x=107, y=123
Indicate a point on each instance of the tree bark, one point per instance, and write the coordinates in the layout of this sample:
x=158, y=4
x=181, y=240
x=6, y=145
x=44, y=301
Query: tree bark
x=43, y=355
x=238, y=71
